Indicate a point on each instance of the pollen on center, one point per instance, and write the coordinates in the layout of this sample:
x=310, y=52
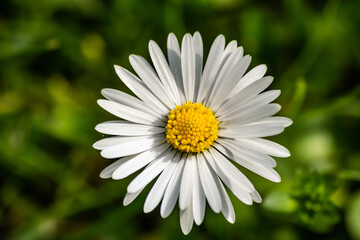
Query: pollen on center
x=191, y=127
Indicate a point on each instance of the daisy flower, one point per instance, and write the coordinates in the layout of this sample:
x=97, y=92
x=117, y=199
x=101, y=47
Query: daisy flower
x=189, y=126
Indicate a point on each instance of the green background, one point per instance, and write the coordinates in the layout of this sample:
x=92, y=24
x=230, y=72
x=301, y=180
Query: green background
x=56, y=56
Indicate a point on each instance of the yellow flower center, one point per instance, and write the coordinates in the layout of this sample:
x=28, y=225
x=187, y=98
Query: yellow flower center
x=191, y=127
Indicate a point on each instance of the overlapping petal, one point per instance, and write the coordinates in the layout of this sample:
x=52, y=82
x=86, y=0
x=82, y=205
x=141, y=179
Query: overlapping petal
x=238, y=101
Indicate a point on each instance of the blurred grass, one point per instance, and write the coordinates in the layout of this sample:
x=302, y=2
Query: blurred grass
x=56, y=56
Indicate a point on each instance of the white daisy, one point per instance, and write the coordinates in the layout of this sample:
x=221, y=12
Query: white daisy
x=188, y=125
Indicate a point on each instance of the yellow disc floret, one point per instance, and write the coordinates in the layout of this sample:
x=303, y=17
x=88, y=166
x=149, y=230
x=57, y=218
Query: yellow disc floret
x=191, y=127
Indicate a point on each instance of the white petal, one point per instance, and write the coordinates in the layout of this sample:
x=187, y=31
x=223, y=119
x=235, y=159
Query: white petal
x=207, y=178
x=130, y=197
x=129, y=113
x=251, y=131
x=173, y=51
x=141, y=90
x=157, y=191
x=172, y=190
x=249, y=155
x=224, y=59
x=230, y=48
x=198, y=48
x=265, y=146
x=252, y=76
x=273, y=121
x=223, y=77
x=148, y=75
x=230, y=175
x=211, y=67
x=244, y=96
x=227, y=53
x=251, y=115
x=108, y=171
x=187, y=182
x=227, y=208
x=228, y=81
x=124, y=128
x=229, y=170
x=265, y=172
x=151, y=171
x=128, y=100
x=186, y=220
x=286, y=122
x=134, y=163
x=198, y=200
x=132, y=146
x=188, y=67
x=236, y=73
x=256, y=196
x=112, y=141
x=260, y=100
x=164, y=71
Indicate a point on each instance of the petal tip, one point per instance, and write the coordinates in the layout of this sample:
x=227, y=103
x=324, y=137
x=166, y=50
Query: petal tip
x=152, y=43
x=171, y=35
x=132, y=58
x=231, y=219
x=117, y=175
x=147, y=209
x=117, y=68
x=97, y=127
x=289, y=123
x=103, y=175
x=104, y=90
x=104, y=154
x=101, y=102
x=96, y=145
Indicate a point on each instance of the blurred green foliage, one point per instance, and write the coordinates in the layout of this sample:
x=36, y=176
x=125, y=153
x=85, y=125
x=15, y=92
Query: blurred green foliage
x=313, y=192
x=56, y=56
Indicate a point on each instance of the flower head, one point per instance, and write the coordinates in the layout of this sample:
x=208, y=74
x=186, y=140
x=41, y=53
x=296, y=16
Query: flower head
x=188, y=125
